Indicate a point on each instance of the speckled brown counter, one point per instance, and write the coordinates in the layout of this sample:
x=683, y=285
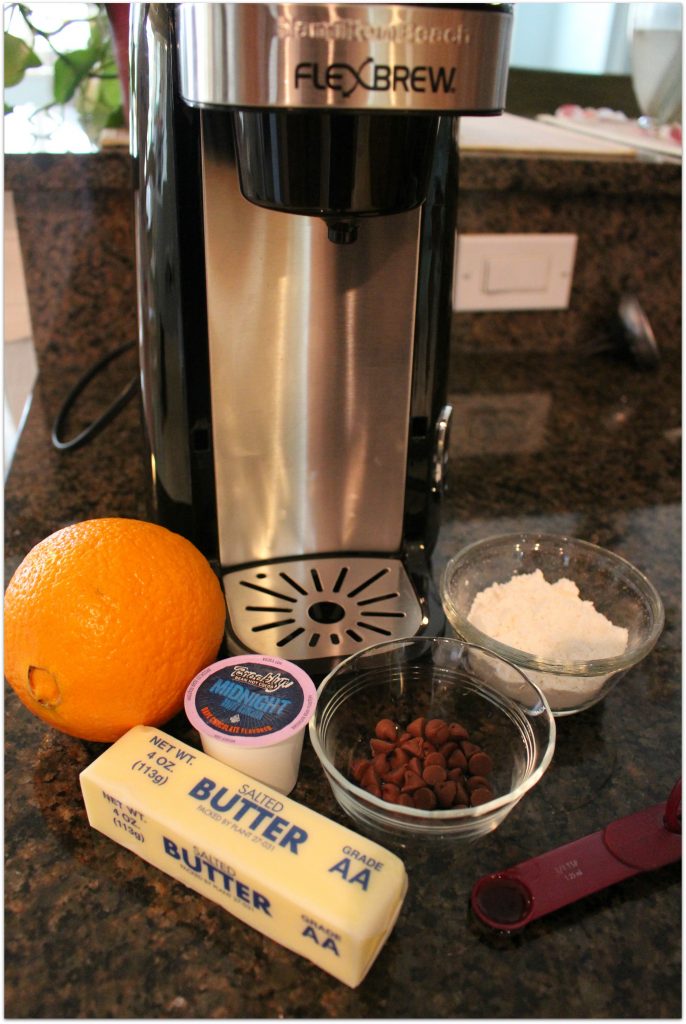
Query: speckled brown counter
x=545, y=439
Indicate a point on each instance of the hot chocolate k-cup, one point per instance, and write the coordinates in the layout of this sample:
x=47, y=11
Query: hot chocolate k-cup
x=251, y=712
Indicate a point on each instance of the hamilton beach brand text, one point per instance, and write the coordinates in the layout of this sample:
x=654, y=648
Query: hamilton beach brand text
x=353, y=30
x=374, y=77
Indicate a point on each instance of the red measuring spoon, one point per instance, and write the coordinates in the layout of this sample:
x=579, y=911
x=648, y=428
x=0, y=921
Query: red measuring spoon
x=649, y=839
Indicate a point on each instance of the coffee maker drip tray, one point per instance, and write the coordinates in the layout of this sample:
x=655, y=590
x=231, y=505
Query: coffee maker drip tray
x=320, y=608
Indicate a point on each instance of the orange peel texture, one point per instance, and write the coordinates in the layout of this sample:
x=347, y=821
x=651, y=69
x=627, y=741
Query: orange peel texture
x=107, y=622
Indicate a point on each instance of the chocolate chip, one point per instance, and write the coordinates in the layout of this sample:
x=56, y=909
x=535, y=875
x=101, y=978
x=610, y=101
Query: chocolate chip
x=481, y=796
x=425, y=799
x=414, y=746
x=390, y=793
x=412, y=782
x=457, y=760
x=427, y=765
x=386, y=730
x=457, y=731
x=461, y=794
x=437, y=731
x=434, y=774
x=358, y=768
x=399, y=757
x=397, y=776
x=416, y=728
x=381, y=746
x=445, y=793
x=480, y=763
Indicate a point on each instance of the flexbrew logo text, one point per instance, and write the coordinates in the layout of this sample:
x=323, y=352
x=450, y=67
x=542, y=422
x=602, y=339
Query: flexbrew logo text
x=373, y=77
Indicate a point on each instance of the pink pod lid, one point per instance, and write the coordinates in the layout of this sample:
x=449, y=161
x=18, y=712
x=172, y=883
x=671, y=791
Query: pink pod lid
x=252, y=700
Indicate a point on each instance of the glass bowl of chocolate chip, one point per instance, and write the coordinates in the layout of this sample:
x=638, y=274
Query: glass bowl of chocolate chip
x=418, y=743
x=573, y=616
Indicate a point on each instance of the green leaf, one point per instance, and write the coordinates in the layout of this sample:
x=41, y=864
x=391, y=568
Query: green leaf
x=116, y=119
x=110, y=93
x=18, y=57
x=70, y=71
x=110, y=87
x=96, y=41
x=8, y=108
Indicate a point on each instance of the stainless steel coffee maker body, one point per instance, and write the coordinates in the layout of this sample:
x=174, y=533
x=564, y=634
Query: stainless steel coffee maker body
x=297, y=173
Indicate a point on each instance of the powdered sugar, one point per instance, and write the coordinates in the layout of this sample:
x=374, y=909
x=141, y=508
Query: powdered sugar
x=553, y=623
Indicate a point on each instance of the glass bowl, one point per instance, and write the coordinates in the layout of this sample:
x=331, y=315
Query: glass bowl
x=615, y=587
x=438, y=679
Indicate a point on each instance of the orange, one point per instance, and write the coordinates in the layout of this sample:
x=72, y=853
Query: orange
x=107, y=622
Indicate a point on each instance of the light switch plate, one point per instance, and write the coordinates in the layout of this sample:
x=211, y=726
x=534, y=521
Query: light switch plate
x=513, y=272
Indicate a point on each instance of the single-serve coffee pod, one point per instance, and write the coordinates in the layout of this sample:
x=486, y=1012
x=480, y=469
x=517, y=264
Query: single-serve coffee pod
x=251, y=712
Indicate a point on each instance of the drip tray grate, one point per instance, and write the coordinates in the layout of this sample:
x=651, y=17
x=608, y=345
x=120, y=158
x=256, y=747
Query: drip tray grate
x=321, y=607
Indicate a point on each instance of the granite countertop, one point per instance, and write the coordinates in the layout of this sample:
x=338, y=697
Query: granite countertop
x=551, y=441
x=91, y=931
x=111, y=168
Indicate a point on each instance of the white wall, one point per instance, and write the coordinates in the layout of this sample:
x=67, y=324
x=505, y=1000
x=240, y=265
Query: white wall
x=589, y=37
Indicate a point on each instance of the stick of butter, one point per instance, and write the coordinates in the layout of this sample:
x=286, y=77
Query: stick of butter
x=314, y=886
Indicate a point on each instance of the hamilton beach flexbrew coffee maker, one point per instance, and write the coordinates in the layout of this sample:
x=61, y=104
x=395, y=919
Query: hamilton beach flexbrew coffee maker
x=296, y=210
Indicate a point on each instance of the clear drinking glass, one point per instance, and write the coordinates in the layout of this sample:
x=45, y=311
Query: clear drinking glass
x=656, y=59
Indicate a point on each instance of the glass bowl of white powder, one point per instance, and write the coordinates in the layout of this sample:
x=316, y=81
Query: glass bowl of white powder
x=574, y=617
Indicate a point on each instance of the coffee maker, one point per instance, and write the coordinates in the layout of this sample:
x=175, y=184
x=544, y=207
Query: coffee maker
x=297, y=185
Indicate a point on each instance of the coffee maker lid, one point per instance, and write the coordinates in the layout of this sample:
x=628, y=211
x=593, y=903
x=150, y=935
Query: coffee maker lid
x=406, y=58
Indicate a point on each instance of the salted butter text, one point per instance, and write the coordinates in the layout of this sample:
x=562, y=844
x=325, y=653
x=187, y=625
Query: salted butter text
x=258, y=819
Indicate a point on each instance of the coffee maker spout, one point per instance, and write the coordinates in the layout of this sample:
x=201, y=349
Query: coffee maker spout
x=341, y=232
x=340, y=167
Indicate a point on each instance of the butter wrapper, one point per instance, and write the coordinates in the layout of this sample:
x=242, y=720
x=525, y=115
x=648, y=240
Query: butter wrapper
x=314, y=886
